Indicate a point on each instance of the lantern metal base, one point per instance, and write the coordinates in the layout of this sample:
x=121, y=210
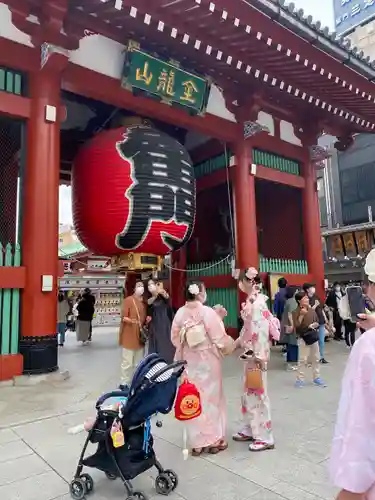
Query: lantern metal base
x=137, y=262
x=39, y=354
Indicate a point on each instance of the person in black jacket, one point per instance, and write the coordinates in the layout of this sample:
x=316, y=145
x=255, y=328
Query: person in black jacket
x=85, y=311
x=93, y=300
x=159, y=318
x=316, y=304
x=333, y=300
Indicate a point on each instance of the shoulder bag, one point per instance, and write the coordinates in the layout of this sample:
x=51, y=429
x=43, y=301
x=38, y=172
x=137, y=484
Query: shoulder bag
x=143, y=330
x=310, y=337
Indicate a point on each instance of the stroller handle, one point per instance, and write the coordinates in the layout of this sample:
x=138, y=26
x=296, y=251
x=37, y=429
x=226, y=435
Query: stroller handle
x=177, y=364
x=113, y=394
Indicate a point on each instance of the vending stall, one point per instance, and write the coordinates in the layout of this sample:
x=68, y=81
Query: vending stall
x=108, y=292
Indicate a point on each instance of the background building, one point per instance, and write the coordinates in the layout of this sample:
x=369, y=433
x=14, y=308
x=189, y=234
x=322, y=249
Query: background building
x=351, y=15
x=346, y=194
x=346, y=188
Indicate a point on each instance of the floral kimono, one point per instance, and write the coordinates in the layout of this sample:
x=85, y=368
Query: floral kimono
x=352, y=463
x=259, y=329
x=204, y=369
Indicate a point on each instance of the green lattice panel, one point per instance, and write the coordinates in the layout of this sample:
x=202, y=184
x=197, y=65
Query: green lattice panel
x=228, y=297
x=11, y=81
x=276, y=162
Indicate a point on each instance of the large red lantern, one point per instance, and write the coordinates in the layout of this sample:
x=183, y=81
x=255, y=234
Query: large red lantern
x=133, y=189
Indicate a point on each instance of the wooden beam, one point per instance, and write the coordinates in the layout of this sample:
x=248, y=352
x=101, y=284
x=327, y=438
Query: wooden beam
x=18, y=56
x=14, y=105
x=103, y=88
x=12, y=277
x=265, y=173
x=273, y=175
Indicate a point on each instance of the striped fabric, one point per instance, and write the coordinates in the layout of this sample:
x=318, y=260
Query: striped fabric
x=155, y=369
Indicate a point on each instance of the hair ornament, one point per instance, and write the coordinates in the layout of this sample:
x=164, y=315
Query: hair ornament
x=251, y=273
x=193, y=289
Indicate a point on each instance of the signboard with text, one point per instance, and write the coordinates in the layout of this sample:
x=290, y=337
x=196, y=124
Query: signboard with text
x=351, y=13
x=165, y=80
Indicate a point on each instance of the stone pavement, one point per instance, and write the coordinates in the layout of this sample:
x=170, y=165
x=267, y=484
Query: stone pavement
x=38, y=456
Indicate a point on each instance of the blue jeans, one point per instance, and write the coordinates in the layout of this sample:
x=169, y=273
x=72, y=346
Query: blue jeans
x=322, y=336
x=61, y=329
x=292, y=353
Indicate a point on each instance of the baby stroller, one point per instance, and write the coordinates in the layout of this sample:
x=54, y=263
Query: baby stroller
x=153, y=390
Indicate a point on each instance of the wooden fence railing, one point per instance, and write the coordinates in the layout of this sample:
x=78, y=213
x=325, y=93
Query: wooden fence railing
x=9, y=303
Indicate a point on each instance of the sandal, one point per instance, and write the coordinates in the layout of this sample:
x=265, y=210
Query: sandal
x=256, y=446
x=196, y=452
x=241, y=437
x=222, y=445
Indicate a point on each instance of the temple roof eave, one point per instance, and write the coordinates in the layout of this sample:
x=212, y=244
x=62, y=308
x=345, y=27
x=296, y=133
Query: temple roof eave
x=294, y=67
x=320, y=36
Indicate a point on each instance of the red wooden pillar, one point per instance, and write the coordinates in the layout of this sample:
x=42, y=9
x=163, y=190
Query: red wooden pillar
x=40, y=222
x=311, y=228
x=244, y=207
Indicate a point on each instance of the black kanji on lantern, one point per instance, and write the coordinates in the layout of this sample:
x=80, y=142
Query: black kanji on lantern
x=163, y=186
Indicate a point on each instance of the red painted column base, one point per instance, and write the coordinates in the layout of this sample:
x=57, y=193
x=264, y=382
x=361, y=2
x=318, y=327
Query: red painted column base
x=11, y=365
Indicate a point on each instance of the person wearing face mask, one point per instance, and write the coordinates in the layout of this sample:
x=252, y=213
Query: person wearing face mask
x=333, y=302
x=259, y=329
x=63, y=309
x=352, y=464
x=199, y=337
x=159, y=321
x=316, y=304
x=133, y=320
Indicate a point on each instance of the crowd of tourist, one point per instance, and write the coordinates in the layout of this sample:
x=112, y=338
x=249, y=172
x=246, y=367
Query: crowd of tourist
x=301, y=322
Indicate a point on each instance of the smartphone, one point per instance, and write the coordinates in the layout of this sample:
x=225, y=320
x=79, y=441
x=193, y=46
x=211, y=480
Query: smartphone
x=356, y=302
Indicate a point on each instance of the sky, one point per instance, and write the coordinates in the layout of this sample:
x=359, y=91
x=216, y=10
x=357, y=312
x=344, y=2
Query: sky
x=65, y=205
x=321, y=10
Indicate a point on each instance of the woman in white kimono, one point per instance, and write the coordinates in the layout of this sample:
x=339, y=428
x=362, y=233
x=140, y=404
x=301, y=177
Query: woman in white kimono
x=258, y=331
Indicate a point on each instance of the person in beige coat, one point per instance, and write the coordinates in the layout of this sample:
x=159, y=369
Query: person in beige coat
x=133, y=319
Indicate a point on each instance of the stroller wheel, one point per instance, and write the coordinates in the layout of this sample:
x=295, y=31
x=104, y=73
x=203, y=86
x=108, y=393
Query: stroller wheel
x=173, y=477
x=137, y=495
x=164, y=484
x=89, y=482
x=111, y=477
x=78, y=489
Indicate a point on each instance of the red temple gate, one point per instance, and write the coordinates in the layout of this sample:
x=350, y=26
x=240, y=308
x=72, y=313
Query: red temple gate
x=262, y=62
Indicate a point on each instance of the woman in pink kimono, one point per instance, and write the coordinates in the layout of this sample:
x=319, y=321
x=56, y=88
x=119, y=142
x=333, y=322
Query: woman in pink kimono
x=352, y=463
x=258, y=331
x=206, y=433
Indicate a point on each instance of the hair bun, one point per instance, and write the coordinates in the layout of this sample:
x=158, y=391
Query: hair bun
x=193, y=289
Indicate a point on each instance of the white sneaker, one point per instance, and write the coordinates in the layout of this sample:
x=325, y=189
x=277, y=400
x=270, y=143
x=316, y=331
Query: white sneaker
x=291, y=368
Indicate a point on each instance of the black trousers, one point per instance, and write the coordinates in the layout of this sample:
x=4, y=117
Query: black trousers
x=337, y=322
x=350, y=329
x=90, y=334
